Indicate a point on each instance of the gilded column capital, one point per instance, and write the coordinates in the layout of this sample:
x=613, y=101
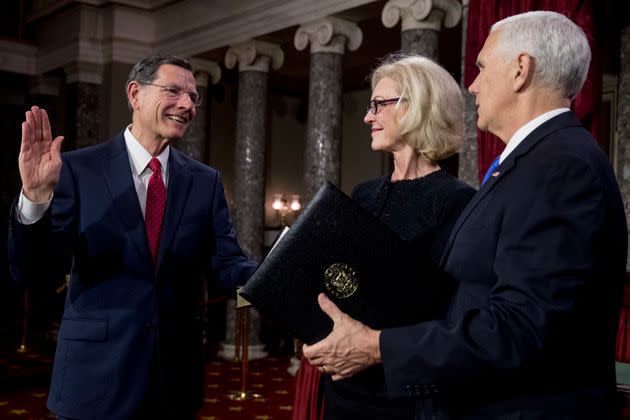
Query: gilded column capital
x=328, y=34
x=206, y=72
x=254, y=55
x=422, y=14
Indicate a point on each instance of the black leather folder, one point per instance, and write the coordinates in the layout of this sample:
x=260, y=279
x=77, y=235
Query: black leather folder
x=339, y=248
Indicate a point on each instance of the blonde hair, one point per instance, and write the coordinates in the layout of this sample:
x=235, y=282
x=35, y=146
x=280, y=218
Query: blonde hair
x=434, y=122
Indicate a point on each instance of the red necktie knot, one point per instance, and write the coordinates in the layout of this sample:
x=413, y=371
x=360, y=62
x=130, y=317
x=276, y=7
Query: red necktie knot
x=155, y=165
x=156, y=203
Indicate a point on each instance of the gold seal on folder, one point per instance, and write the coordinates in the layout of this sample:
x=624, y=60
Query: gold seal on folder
x=341, y=280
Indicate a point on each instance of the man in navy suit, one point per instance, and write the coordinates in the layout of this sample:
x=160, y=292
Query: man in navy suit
x=143, y=225
x=539, y=254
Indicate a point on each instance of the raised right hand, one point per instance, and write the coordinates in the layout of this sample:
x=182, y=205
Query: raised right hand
x=40, y=156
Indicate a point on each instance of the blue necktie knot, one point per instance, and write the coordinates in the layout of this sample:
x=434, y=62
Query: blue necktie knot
x=493, y=166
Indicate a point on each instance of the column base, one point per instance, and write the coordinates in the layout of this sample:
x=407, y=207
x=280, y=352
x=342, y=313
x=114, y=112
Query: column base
x=254, y=352
x=294, y=365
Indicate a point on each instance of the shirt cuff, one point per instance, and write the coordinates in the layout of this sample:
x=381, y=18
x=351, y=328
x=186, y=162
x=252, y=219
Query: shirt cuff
x=30, y=212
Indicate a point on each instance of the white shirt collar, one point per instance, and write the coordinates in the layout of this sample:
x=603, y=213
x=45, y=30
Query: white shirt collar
x=525, y=131
x=140, y=157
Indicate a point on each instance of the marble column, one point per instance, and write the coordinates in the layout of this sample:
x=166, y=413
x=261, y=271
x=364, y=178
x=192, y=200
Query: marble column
x=468, y=163
x=83, y=81
x=421, y=23
x=623, y=123
x=328, y=38
x=194, y=142
x=255, y=59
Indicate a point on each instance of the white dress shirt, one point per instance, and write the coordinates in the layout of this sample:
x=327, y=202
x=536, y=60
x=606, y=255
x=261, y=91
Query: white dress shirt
x=30, y=212
x=525, y=131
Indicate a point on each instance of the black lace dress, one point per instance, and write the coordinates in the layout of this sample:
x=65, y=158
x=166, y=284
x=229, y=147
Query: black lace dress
x=421, y=210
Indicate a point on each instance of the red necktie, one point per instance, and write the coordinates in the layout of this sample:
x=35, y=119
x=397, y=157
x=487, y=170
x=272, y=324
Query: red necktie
x=156, y=202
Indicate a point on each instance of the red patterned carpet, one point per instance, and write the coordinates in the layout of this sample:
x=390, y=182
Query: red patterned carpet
x=268, y=377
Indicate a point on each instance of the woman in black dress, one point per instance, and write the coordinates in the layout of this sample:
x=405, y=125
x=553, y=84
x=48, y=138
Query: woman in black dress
x=416, y=114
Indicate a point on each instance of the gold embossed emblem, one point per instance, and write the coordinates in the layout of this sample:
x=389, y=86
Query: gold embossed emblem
x=340, y=280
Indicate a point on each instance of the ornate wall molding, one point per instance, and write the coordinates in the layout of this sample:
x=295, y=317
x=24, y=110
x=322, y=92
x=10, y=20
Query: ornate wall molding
x=42, y=8
x=197, y=30
x=17, y=57
x=103, y=31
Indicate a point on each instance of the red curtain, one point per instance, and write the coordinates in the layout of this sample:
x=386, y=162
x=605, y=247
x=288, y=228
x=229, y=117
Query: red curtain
x=308, y=404
x=483, y=13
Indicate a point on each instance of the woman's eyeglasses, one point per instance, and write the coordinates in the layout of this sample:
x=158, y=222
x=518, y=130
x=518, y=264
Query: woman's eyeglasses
x=375, y=104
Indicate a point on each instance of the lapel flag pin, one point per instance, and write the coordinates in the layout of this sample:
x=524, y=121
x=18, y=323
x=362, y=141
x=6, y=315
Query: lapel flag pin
x=495, y=174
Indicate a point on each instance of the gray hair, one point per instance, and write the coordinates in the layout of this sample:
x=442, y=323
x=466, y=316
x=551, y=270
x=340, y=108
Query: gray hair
x=559, y=47
x=145, y=71
x=434, y=121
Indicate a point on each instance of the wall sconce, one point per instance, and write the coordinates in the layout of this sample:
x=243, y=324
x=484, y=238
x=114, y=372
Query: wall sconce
x=282, y=206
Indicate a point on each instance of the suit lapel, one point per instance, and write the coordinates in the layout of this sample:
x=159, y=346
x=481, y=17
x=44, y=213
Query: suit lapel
x=563, y=120
x=119, y=180
x=178, y=187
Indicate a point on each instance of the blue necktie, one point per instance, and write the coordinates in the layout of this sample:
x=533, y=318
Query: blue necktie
x=494, y=165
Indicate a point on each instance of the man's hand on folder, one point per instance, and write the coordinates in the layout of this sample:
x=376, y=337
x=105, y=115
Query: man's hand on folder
x=350, y=348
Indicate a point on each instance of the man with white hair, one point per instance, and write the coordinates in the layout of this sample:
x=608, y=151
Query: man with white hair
x=539, y=254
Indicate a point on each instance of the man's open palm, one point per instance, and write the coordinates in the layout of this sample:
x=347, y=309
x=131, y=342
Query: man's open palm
x=40, y=156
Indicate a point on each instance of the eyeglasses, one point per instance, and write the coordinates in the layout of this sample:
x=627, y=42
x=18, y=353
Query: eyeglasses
x=173, y=92
x=376, y=103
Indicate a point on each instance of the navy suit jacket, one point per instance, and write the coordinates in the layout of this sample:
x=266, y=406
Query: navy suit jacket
x=540, y=257
x=120, y=308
